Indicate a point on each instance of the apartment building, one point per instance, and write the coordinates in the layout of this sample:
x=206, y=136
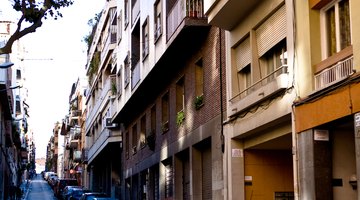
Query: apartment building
x=72, y=129
x=260, y=91
x=154, y=104
x=292, y=86
x=16, y=149
x=326, y=112
x=102, y=136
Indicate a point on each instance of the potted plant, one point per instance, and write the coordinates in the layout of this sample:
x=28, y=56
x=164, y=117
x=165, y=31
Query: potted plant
x=199, y=102
x=180, y=117
x=113, y=88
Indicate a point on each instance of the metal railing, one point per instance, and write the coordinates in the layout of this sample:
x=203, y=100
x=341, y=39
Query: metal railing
x=182, y=9
x=334, y=73
x=264, y=81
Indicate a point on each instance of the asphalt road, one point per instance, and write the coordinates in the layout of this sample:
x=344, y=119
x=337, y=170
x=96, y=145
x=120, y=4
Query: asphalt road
x=39, y=189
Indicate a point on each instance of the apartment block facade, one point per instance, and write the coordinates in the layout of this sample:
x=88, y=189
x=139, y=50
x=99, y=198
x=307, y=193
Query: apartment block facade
x=17, y=156
x=154, y=105
x=326, y=113
x=292, y=85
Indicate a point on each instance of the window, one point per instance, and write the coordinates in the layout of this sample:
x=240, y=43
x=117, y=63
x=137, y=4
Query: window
x=153, y=119
x=142, y=131
x=273, y=60
x=244, y=78
x=113, y=25
x=243, y=63
x=126, y=12
x=180, y=95
x=119, y=26
x=127, y=144
x=18, y=74
x=165, y=112
x=169, y=178
x=199, y=78
x=145, y=38
x=157, y=20
x=127, y=71
x=134, y=139
x=119, y=81
x=336, y=20
x=135, y=75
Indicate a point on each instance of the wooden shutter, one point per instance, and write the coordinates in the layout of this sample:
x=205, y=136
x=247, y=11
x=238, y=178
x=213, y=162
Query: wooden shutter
x=272, y=31
x=243, y=54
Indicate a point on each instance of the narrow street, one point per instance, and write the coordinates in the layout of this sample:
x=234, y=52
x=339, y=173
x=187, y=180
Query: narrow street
x=39, y=189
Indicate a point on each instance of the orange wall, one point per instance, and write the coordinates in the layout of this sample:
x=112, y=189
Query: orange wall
x=271, y=171
x=337, y=104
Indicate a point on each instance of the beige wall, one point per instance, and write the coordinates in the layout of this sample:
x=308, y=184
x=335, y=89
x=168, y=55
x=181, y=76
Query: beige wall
x=270, y=170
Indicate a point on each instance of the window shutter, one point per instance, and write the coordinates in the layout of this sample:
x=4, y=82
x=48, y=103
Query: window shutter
x=272, y=31
x=243, y=54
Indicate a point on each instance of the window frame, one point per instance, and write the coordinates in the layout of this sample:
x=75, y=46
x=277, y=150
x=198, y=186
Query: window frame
x=324, y=33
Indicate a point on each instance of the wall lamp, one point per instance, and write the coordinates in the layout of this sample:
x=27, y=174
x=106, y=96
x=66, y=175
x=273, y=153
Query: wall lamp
x=6, y=65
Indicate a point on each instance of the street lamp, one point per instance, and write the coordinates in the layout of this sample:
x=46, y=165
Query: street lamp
x=6, y=65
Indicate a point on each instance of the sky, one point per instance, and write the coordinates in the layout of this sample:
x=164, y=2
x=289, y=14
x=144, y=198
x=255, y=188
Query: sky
x=55, y=58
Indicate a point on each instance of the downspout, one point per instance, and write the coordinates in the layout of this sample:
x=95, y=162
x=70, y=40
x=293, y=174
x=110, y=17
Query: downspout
x=221, y=96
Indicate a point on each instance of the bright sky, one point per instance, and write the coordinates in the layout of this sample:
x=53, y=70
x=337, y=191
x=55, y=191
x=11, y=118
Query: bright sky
x=55, y=58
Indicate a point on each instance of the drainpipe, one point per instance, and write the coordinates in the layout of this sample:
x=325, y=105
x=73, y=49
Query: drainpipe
x=221, y=97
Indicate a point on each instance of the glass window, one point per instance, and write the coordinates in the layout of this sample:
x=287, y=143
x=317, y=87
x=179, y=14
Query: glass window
x=337, y=27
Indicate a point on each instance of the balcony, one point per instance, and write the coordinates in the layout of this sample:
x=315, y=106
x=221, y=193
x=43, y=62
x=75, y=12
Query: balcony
x=185, y=13
x=77, y=156
x=106, y=136
x=105, y=36
x=101, y=101
x=334, y=74
x=263, y=89
x=6, y=96
x=227, y=13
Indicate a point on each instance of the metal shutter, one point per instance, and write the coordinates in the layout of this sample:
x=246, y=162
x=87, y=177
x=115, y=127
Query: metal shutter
x=272, y=31
x=206, y=174
x=243, y=54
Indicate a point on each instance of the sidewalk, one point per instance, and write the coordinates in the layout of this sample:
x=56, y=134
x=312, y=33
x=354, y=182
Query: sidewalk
x=25, y=189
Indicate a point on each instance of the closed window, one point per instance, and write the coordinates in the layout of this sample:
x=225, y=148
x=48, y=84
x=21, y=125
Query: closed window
x=145, y=38
x=157, y=20
x=336, y=25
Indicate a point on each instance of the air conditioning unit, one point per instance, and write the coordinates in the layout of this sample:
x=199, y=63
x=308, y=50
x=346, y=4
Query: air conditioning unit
x=109, y=124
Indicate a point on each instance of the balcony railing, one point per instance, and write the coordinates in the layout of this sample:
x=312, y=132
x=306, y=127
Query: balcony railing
x=182, y=9
x=334, y=74
x=260, y=83
x=104, y=135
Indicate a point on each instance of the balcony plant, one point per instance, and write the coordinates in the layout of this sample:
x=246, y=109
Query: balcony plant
x=199, y=102
x=180, y=117
x=113, y=88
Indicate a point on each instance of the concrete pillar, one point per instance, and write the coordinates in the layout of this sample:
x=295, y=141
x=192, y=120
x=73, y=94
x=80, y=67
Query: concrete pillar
x=357, y=149
x=306, y=165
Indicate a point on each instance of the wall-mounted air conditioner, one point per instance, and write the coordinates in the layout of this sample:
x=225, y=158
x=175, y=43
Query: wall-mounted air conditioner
x=109, y=124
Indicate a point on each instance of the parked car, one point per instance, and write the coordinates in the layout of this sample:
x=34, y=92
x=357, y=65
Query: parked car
x=76, y=194
x=61, y=184
x=69, y=190
x=93, y=195
x=53, y=178
x=47, y=174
